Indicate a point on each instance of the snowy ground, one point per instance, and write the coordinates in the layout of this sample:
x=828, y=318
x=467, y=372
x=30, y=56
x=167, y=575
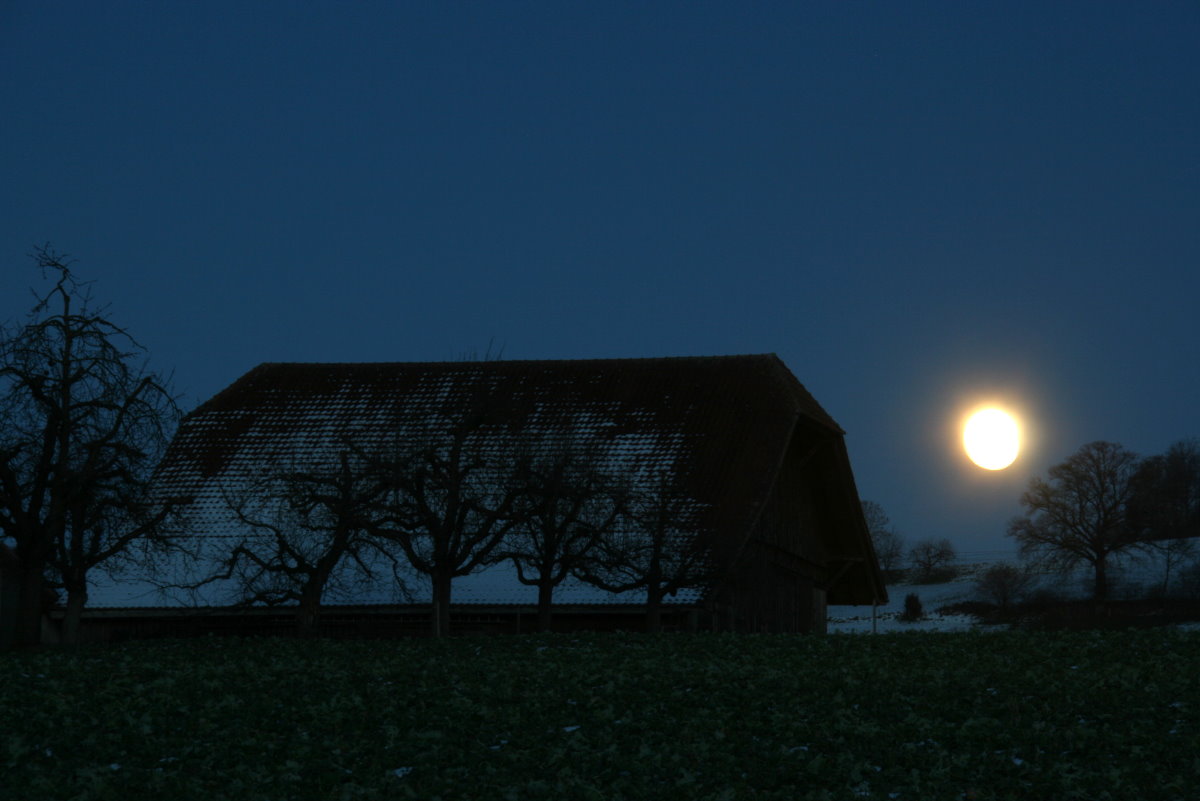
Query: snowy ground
x=1131, y=577
x=857, y=619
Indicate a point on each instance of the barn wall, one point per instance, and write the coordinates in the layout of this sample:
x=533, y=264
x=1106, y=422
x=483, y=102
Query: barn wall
x=790, y=518
x=765, y=595
x=776, y=584
x=108, y=625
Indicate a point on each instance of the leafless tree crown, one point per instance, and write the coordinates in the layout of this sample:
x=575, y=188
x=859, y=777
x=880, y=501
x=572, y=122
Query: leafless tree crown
x=1077, y=515
x=83, y=423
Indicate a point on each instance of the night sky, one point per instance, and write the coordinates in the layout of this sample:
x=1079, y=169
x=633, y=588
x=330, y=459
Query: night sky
x=918, y=206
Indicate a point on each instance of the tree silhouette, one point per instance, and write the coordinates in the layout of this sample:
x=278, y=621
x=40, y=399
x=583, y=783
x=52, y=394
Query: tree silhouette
x=308, y=531
x=889, y=545
x=568, y=503
x=1003, y=583
x=82, y=425
x=931, y=556
x=1164, y=505
x=1078, y=515
x=654, y=548
x=1164, y=501
x=452, y=495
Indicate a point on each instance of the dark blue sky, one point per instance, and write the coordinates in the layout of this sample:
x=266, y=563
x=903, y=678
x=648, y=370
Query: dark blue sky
x=916, y=205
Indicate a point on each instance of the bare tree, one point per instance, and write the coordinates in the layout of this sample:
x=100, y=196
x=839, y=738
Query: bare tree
x=452, y=497
x=82, y=423
x=124, y=527
x=931, y=556
x=1078, y=516
x=309, y=530
x=656, y=547
x=568, y=502
x=1164, y=501
x=889, y=545
x=877, y=519
x=1172, y=555
x=1003, y=584
x=1164, y=506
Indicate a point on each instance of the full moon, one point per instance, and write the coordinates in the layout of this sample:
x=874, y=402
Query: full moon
x=992, y=439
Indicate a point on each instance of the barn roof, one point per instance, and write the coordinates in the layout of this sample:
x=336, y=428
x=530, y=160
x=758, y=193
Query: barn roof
x=720, y=425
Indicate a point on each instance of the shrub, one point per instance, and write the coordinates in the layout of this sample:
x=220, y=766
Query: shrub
x=1045, y=597
x=913, y=610
x=1003, y=584
x=940, y=575
x=985, y=612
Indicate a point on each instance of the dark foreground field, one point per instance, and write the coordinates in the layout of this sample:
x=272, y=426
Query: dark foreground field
x=1087, y=715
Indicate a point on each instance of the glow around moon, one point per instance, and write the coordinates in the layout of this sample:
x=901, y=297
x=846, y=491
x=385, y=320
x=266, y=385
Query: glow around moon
x=992, y=439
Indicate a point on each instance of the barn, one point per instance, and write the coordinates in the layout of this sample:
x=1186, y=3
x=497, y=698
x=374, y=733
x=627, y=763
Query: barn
x=770, y=496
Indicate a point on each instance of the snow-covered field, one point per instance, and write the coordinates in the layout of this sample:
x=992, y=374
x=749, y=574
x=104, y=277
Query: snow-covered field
x=858, y=619
x=1131, y=576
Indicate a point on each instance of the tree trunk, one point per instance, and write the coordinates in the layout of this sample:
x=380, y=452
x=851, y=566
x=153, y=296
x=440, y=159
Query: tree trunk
x=1100, y=589
x=30, y=606
x=545, y=601
x=307, y=613
x=653, y=609
x=440, y=622
x=76, y=601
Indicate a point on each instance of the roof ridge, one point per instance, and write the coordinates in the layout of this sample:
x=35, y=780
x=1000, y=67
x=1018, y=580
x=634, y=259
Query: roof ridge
x=768, y=365
x=715, y=357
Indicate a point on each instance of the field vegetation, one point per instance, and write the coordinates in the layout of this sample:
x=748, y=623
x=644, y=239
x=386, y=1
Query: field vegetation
x=974, y=715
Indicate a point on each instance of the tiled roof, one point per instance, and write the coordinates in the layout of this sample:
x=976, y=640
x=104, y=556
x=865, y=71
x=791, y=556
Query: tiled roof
x=720, y=424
